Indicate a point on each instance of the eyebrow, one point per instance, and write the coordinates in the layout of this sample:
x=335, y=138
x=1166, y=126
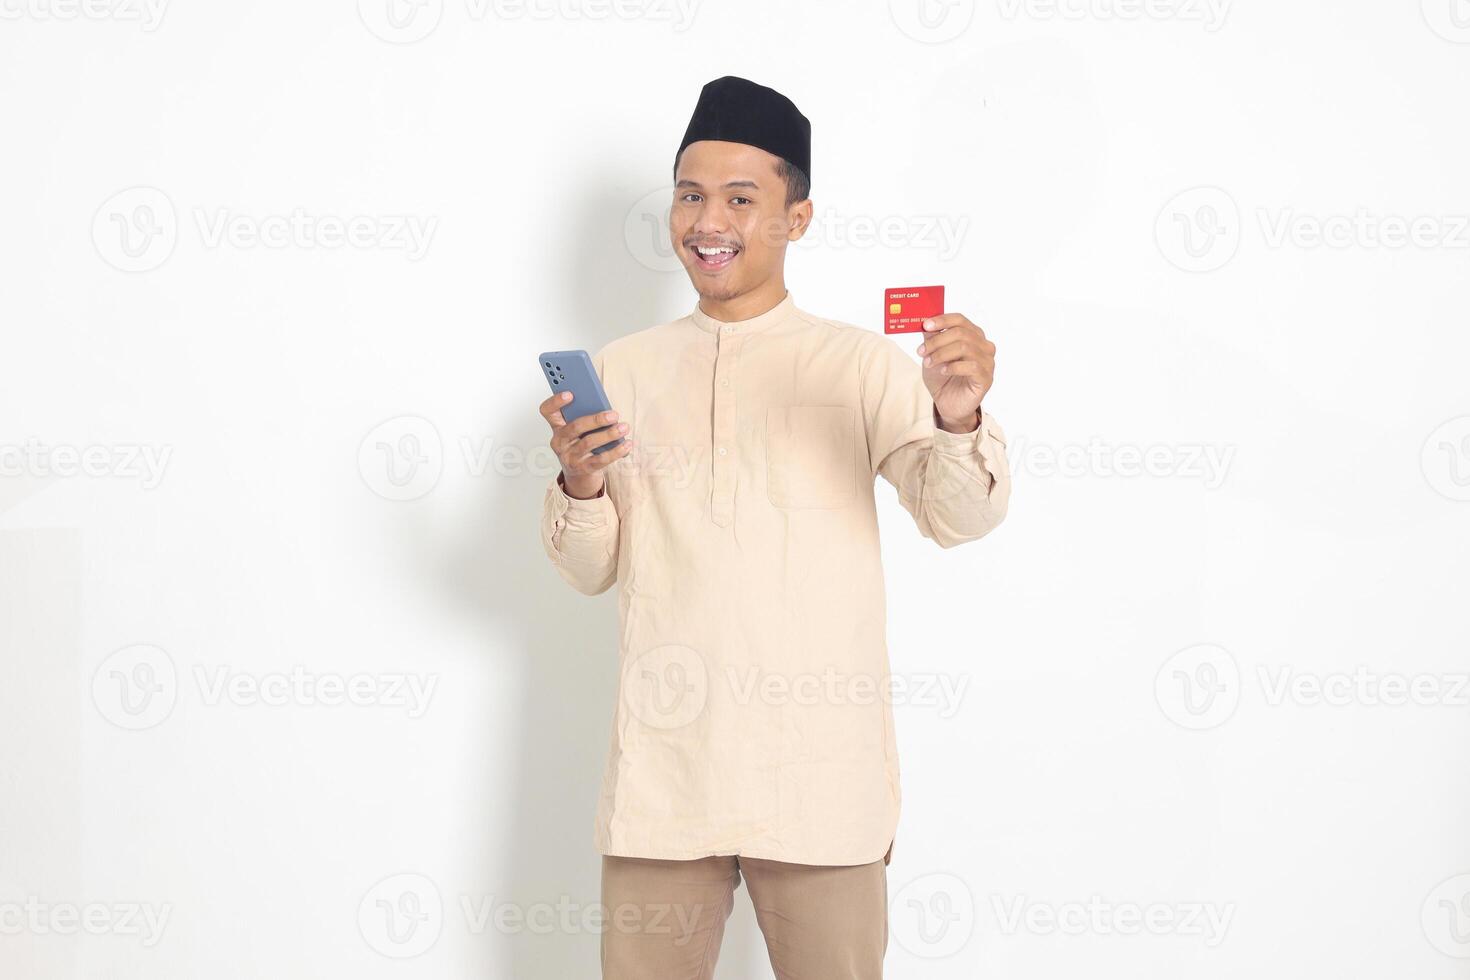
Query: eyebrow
x=734, y=183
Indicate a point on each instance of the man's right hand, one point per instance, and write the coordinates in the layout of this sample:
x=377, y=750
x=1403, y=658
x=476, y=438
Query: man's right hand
x=574, y=441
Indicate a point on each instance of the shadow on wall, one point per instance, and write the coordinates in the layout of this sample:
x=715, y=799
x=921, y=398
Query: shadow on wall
x=558, y=646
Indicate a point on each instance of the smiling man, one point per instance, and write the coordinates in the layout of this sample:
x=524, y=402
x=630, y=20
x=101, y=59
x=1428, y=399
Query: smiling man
x=752, y=736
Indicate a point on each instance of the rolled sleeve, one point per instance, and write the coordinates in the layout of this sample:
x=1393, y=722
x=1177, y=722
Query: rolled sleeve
x=988, y=441
x=955, y=484
x=580, y=538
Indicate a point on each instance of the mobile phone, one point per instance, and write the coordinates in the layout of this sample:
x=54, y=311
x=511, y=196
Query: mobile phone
x=572, y=370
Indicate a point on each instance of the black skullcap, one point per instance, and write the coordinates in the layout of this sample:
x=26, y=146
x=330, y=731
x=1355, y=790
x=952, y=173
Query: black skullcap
x=738, y=110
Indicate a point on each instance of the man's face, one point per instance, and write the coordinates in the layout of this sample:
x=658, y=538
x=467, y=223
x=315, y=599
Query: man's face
x=730, y=201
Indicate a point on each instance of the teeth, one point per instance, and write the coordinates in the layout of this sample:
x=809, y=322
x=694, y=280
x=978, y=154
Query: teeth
x=722, y=250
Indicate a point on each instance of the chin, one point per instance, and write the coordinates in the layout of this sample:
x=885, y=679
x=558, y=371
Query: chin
x=714, y=289
x=720, y=292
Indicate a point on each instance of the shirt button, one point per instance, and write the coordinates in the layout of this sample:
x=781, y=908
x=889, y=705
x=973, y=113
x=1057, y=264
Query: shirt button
x=729, y=330
x=725, y=383
x=722, y=450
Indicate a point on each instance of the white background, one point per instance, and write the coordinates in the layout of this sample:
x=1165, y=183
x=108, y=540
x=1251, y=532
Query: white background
x=1124, y=739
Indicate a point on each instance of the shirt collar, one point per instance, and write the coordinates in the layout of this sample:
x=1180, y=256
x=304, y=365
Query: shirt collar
x=781, y=311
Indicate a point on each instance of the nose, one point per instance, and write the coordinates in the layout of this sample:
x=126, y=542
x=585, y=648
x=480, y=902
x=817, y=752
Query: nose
x=712, y=220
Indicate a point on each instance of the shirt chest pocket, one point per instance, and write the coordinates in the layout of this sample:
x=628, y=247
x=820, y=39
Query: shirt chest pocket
x=811, y=456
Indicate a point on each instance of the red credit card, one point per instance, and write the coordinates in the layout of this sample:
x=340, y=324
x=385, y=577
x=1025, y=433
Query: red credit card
x=907, y=307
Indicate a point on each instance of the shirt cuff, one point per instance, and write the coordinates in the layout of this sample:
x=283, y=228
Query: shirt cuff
x=958, y=443
x=591, y=512
x=988, y=441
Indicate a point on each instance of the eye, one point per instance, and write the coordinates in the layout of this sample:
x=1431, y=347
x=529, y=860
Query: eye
x=740, y=200
x=690, y=198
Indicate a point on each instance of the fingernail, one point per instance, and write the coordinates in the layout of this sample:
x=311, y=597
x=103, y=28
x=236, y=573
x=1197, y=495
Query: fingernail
x=623, y=427
x=566, y=396
x=610, y=417
x=921, y=348
x=928, y=324
x=927, y=360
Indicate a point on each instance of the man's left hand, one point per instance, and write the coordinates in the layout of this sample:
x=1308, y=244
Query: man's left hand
x=959, y=368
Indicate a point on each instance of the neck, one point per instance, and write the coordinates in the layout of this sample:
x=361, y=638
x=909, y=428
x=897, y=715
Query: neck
x=764, y=297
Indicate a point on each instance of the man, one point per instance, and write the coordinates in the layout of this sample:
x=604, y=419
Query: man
x=752, y=736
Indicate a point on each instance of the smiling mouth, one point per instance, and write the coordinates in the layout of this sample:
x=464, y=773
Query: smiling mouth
x=712, y=258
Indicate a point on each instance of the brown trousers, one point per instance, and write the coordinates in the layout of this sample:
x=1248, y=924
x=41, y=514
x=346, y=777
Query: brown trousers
x=665, y=919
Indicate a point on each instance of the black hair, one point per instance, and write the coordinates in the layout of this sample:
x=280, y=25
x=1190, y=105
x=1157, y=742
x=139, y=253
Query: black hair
x=798, y=184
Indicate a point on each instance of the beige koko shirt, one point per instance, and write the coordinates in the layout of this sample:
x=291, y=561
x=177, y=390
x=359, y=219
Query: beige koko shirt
x=754, y=716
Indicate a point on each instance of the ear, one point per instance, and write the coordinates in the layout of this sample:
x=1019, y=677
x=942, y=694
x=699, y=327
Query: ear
x=799, y=219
